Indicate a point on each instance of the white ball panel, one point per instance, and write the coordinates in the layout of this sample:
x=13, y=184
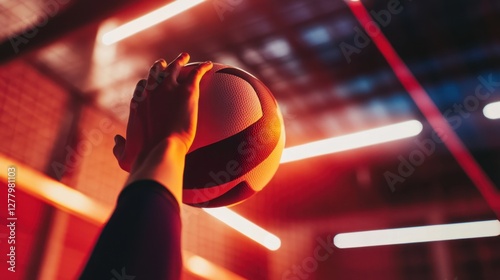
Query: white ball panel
x=221, y=114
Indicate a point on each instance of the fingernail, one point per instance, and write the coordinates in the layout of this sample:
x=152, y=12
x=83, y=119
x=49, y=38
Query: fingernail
x=159, y=64
x=208, y=62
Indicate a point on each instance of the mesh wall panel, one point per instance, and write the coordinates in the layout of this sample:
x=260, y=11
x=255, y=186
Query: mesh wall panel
x=99, y=175
x=32, y=110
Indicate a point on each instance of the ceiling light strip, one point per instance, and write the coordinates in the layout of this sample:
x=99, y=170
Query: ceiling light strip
x=55, y=193
x=353, y=141
x=492, y=111
x=206, y=269
x=417, y=234
x=246, y=227
x=146, y=21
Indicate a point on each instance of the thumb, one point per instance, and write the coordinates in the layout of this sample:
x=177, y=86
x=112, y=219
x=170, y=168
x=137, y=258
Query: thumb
x=119, y=148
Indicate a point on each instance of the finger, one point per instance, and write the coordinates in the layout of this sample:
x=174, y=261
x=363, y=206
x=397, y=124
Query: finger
x=174, y=68
x=119, y=148
x=156, y=74
x=195, y=75
x=139, y=94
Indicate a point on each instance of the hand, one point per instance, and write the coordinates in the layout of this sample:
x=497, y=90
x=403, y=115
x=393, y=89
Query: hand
x=161, y=108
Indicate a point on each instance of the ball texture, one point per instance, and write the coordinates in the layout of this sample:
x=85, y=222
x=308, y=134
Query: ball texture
x=239, y=138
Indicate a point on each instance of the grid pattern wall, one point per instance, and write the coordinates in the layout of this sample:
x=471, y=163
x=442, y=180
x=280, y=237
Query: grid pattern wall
x=221, y=245
x=99, y=175
x=78, y=243
x=32, y=111
x=295, y=250
x=17, y=16
x=95, y=173
x=29, y=212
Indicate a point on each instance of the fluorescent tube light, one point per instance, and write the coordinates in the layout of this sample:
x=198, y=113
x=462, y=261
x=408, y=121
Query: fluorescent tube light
x=353, y=141
x=146, y=21
x=417, y=234
x=207, y=269
x=246, y=227
x=492, y=110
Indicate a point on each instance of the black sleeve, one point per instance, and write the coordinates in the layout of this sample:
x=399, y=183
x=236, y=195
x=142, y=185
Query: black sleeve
x=142, y=238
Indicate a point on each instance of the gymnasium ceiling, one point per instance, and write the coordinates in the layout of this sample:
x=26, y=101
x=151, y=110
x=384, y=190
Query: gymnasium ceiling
x=295, y=47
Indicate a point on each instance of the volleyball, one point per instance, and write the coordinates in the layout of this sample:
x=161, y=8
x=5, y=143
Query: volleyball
x=239, y=139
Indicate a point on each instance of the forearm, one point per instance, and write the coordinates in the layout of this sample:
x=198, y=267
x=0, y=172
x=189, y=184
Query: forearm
x=142, y=237
x=163, y=164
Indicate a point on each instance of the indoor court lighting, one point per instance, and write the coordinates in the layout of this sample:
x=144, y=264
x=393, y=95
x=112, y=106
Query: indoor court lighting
x=55, y=193
x=201, y=267
x=208, y=270
x=492, y=111
x=353, y=141
x=417, y=234
x=148, y=20
x=246, y=227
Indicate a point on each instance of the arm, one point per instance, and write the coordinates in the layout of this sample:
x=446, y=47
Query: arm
x=142, y=237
